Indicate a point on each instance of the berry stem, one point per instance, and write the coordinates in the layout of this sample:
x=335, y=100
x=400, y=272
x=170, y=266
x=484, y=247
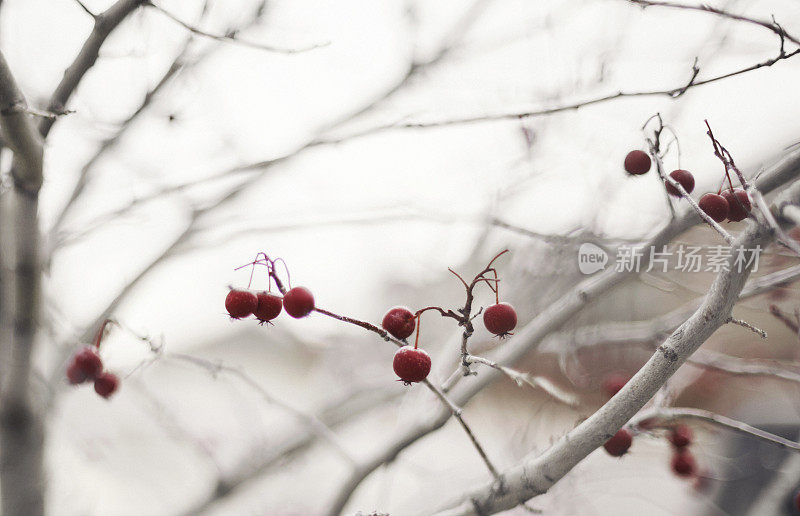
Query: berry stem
x=419, y=323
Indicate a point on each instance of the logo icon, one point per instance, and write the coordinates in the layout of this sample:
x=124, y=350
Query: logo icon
x=591, y=258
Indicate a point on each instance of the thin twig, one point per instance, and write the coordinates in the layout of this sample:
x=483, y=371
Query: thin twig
x=231, y=38
x=758, y=331
x=665, y=416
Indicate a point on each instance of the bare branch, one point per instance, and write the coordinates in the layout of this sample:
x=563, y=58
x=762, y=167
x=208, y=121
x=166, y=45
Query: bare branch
x=536, y=474
x=520, y=114
x=665, y=416
x=104, y=25
x=771, y=26
x=231, y=38
x=527, y=379
x=758, y=331
x=21, y=422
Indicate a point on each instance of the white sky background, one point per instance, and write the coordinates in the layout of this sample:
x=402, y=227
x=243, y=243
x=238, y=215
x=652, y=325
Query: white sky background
x=243, y=105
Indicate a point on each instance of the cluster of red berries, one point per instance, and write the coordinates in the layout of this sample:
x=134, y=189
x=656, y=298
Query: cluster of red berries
x=683, y=463
x=732, y=204
x=638, y=162
x=86, y=365
x=266, y=306
x=413, y=364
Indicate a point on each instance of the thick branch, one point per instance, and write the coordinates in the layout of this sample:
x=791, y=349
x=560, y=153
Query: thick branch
x=104, y=25
x=536, y=474
x=21, y=425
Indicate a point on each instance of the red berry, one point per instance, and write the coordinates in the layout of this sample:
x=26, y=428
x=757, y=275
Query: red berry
x=683, y=463
x=399, y=322
x=240, y=303
x=797, y=501
x=637, y=162
x=686, y=180
x=411, y=364
x=89, y=362
x=715, y=206
x=681, y=436
x=106, y=384
x=618, y=445
x=298, y=302
x=75, y=374
x=500, y=318
x=738, y=204
x=614, y=383
x=268, y=307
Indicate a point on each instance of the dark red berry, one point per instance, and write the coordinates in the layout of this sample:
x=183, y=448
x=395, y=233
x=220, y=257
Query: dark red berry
x=715, y=206
x=106, y=384
x=298, y=302
x=738, y=204
x=637, y=162
x=500, y=318
x=797, y=501
x=75, y=374
x=614, y=383
x=89, y=362
x=411, y=365
x=684, y=178
x=268, y=306
x=240, y=303
x=683, y=463
x=399, y=322
x=618, y=445
x=681, y=436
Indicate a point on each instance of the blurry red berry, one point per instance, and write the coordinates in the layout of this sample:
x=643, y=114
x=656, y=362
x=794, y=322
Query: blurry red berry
x=500, y=318
x=240, y=303
x=75, y=374
x=268, y=306
x=684, y=178
x=738, y=204
x=399, y=322
x=797, y=501
x=614, y=383
x=618, y=445
x=411, y=365
x=715, y=206
x=298, y=302
x=89, y=362
x=683, y=463
x=681, y=436
x=637, y=162
x=106, y=384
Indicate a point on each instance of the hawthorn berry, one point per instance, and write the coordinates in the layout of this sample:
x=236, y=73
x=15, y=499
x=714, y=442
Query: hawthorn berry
x=411, y=364
x=268, y=306
x=681, y=436
x=240, y=303
x=684, y=178
x=637, y=162
x=106, y=384
x=715, y=206
x=89, y=363
x=738, y=204
x=683, y=463
x=618, y=445
x=298, y=302
x=75, y=374
x=500, y=319
x=399, y=322
x=614, y=383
